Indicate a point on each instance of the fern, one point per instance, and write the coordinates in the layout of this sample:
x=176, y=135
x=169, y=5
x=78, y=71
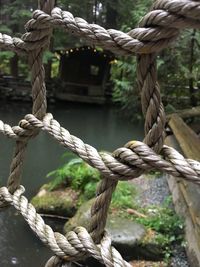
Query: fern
x=76, y=173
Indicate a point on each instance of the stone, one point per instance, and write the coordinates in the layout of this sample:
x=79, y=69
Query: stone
x=128, y=237
x=61, y=202
x=81, y=217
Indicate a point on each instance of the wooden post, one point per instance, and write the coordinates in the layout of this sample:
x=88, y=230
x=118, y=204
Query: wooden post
x=186, y=195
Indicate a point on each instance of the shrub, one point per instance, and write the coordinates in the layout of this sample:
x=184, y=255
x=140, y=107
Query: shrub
x=76, y=174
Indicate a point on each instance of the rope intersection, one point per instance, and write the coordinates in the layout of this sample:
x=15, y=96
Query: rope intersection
x=156, y=31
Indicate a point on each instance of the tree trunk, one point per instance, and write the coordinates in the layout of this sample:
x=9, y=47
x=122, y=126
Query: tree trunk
x=89, y=11
x=193, y=99
x=14, y=66
x=47, y=68
x=111, y=14
x=95, y=11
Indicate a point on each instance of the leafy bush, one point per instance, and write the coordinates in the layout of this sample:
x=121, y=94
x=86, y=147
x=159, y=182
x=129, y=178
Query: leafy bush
x=125, y=90
x=123, y=73
x=90, y=190
x=163, y=220
x=5, y=57
x=76, y=173
x=80, y=176
x=178, y=75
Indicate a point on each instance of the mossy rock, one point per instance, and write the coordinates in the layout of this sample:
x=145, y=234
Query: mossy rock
x=62, y=202
x=130, y=238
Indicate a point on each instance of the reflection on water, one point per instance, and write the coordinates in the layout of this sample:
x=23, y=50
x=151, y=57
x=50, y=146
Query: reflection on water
x=98, y=126
x=18, y=245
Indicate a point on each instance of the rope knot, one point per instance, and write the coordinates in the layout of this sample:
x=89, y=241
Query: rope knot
x=78, y=245
x=38, y=29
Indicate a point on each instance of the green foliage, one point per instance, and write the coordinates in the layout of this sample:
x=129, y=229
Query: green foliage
x=125, y=90
x=24, y=69
x=76, y=173
x=5, y=29
x=140, y=9
x=168, y=226
x=162, y=220
x=54, y=60
x=176, y=68
x=55, y=69
x=82, y=177
x=90, y=190
x=123, y=196
x=11, y=11
x=180, y=66
x=13, y=16
x=48, y=56
x=5, y=57
x=165, y=224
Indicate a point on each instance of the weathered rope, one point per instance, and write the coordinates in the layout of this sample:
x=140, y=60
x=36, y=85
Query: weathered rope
x=156, y=31
x=152, y=106
x=38, y=95
x=75, y=244
x=124, y=163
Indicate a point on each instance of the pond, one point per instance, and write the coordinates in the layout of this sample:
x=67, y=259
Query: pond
x=100, y=126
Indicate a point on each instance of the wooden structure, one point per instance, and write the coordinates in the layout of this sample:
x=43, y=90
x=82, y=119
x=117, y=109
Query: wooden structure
x=186, y=113
x=13, y=88
x=84, y=75
x=186, y=194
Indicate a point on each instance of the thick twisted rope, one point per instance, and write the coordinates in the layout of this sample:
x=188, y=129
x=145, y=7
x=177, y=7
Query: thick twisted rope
x=127, y=163
x=75, y=244
x=123, y=164
x=152, y=106
x=38, y=95
x=156, y=31
x=154, y=126
x=35, y=61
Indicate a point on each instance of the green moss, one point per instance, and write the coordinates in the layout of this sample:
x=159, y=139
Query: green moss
x=55, y=203
x=49, y=200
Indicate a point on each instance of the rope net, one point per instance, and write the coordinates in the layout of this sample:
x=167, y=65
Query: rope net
x=156, y=31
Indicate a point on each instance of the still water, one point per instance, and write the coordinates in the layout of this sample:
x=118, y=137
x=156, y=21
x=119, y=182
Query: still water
x=102, y=127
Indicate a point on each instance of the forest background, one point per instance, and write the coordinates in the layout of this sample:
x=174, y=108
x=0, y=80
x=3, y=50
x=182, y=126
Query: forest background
x=178, y=65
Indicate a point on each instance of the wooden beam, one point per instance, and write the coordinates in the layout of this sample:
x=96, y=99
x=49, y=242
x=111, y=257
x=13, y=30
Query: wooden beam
x=186, y=194
x=186, y=137
x=186, y=113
